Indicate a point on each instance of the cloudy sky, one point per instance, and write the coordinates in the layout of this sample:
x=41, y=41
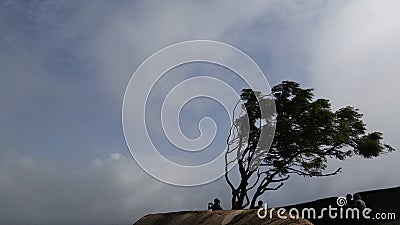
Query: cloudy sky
x=65, y=65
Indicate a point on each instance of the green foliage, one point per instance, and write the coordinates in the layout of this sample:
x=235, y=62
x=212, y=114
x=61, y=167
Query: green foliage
x=308, y=132
x=312, y=130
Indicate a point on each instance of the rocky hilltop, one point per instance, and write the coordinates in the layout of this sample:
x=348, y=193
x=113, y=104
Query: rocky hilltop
x=384, y=200
x=224, y=217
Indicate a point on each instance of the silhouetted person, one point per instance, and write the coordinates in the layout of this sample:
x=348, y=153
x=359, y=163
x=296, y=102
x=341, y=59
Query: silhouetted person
x=350, y=201
x=360, y=205
x=349, y=205
x=358, y=202
x=260, y=204
x=215, y=206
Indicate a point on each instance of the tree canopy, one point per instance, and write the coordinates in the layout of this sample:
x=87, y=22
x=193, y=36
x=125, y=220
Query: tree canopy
x=307, y=133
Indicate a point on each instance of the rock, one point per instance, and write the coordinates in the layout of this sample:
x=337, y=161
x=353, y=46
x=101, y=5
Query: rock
x=397, y=222
x=224, y=217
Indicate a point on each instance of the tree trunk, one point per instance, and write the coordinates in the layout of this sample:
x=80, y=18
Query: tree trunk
x=237, y=200
x=234, y=202
x=253, y=200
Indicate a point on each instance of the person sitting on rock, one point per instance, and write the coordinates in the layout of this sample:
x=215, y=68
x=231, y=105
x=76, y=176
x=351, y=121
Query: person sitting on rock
x=349, y=201
x=358, y=203
x=215, y=206
x=260, y=204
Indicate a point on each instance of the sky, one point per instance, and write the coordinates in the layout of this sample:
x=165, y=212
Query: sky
x=65, y=65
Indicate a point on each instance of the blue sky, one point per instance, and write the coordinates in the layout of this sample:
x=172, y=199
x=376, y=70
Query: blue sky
x=64, y=67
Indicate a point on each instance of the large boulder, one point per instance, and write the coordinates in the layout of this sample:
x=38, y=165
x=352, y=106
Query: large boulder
x=224, y=217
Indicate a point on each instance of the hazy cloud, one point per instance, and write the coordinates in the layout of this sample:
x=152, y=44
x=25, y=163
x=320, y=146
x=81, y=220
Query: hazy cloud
x=64, y=68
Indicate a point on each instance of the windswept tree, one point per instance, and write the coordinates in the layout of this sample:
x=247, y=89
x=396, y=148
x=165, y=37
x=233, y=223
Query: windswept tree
x=307, y=134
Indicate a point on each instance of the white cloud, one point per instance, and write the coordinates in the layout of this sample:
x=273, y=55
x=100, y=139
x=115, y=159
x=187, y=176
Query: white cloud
x=355, y=62
x=354, y=52
x=116, y=156
x=113, y=191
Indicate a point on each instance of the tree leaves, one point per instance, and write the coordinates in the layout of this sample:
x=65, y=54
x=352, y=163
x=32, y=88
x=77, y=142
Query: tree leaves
x=307, y=133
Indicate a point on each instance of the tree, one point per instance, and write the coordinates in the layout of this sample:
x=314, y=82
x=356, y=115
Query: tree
x=307, y=134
